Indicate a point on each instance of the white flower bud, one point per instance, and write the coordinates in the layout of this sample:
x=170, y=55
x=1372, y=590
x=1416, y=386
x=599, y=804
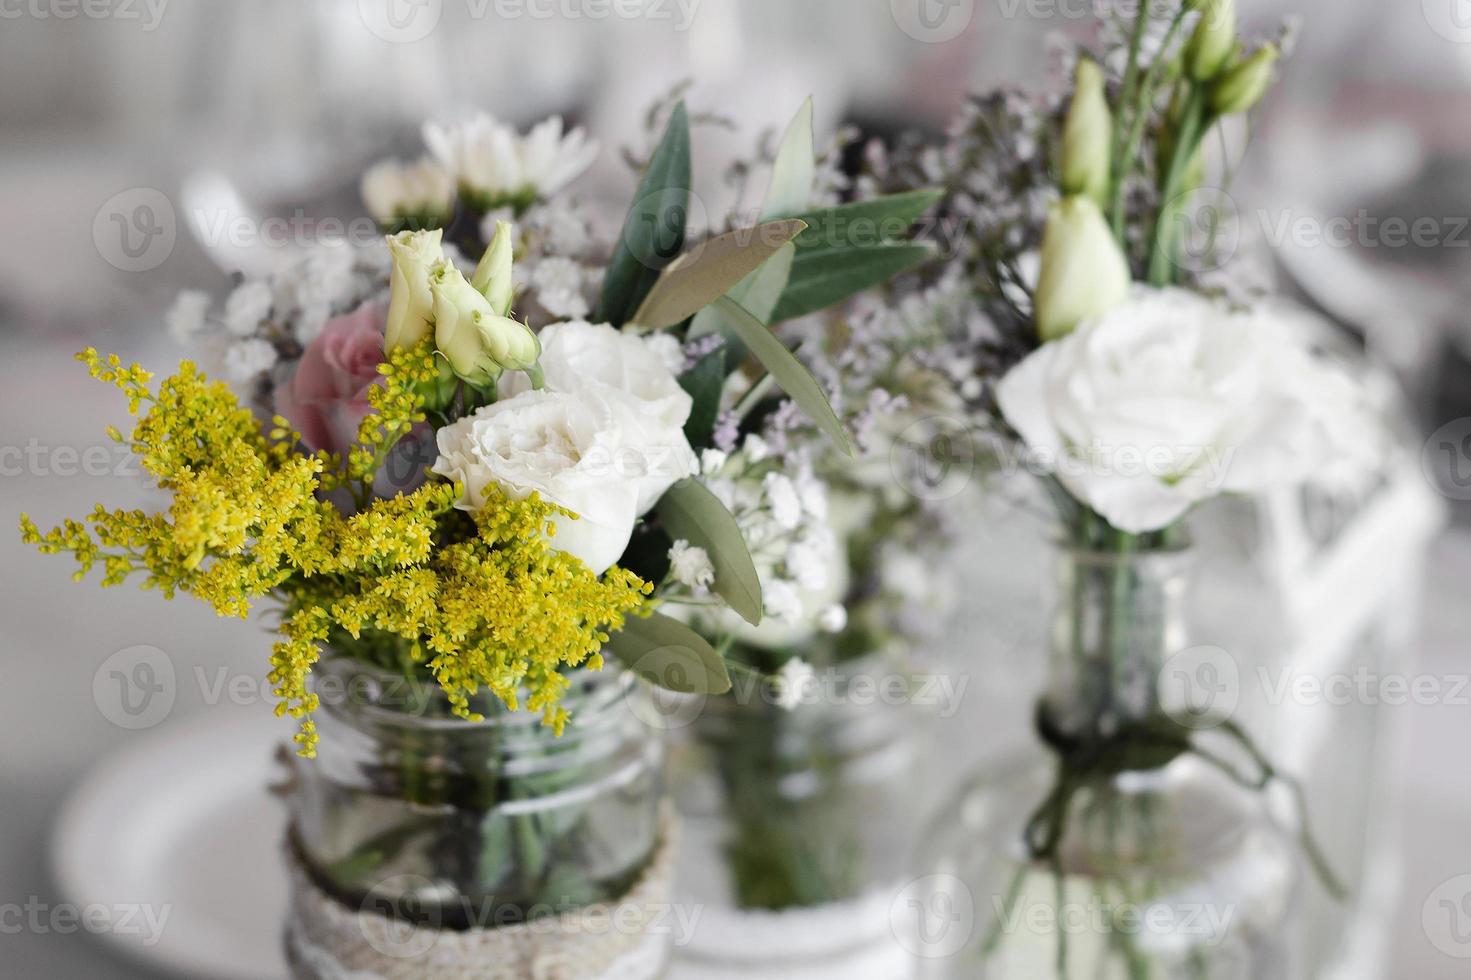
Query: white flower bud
x=1087, y=136
x=1084, y=273
x=1213, y=41
x=1242, y=86
x=477, y=341
x=493, y=274
x=410, y=304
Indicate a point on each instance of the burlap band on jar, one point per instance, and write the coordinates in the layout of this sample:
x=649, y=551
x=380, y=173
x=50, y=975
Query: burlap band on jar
x=624, y=940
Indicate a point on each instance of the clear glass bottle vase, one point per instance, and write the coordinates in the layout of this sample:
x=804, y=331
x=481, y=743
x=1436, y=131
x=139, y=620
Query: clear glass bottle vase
x=800, y=824
x=435, y=822
x=1112, y=852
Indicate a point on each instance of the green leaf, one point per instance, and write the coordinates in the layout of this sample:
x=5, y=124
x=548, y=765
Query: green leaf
x=758, y=293
x=653, y=233
x=863, y=224
x=690, y=511
x=791, y=374
x=794, y=174
x=700, y=276
x=821, y=279
x=853, y=247
x=704, y=382
x=668, y=654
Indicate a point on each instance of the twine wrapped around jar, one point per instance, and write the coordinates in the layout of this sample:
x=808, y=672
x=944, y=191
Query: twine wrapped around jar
x=624, y=940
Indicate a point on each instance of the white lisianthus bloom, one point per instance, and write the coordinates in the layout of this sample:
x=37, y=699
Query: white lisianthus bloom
x=691, y=566
x=560, y=444
x=642, y=393
x=1167, y=400
x=494, y=165
x=396, y=191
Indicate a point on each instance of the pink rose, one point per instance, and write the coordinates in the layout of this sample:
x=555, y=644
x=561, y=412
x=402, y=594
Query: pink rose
x=327, y=397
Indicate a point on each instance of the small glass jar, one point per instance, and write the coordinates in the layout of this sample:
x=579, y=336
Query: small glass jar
x=433, y=821
x=1111, y=852
x=800, y=824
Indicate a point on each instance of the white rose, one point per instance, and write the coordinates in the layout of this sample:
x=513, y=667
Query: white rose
x=559, y=444
x=1165, y=401
x=628, y=374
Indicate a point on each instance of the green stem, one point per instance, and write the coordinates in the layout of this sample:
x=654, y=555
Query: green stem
x=1194, y=123
x=1131, y=80
x=1135, y=138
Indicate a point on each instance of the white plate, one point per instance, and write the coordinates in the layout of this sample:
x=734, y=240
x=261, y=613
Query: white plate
x=181, y=821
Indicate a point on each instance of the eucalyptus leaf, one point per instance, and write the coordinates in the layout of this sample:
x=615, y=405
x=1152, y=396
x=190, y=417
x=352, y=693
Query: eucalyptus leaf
x=654, y=231
x=853, y=247
x=704, y=383
x=863, y=224
x=822, y=279
x=696, y=279
x=794, y=174
x=791, y=374
x=758, y=293
x=668, y=654
x=690, y=511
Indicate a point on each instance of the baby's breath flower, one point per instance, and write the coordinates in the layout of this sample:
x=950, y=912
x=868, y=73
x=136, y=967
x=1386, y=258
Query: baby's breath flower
x=790, y=684
x=690, y=566
x=186, y=317
x=249, y=359
x=247, y=307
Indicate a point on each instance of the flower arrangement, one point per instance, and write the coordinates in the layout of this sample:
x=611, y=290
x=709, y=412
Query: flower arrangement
x=1138, y=374
x=565, y=501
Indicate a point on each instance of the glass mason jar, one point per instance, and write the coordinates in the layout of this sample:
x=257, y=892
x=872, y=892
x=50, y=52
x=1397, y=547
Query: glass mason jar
x=799, y=826
x=435, y=822
x=1117, y=852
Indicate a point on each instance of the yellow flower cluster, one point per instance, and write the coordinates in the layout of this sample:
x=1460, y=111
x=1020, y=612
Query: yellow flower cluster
x=477, y=602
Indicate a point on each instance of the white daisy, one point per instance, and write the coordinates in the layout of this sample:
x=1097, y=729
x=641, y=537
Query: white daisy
x=393, y=190
x=490, y=160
